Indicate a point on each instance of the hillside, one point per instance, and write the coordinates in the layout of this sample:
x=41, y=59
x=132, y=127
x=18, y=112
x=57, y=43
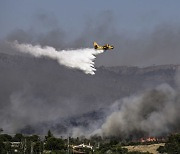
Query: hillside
x=33, y=88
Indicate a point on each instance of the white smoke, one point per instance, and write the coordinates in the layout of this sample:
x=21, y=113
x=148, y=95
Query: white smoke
x=82, y=59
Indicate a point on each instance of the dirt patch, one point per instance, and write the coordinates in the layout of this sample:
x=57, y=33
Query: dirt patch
x=145, y=148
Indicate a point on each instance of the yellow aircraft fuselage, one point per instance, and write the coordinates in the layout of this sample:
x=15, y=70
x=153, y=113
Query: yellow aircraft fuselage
x=105, y=47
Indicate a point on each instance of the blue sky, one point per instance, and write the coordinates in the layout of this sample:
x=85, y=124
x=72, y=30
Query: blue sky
x=130, y=15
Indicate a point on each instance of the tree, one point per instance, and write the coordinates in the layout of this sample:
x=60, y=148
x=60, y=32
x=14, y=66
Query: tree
x=2, y=147
x=5, y=137
x=34, y=138
x=49, y=135
x=8, y=147
x=111, y=147
x=172, y=146
x=18, y=137
x=54, y=144
x=27, y=145
x=120, y=150
x=38, y=147
x=161, y=149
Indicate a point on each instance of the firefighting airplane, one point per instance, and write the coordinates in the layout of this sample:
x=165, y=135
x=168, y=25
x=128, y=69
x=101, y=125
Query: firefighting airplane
x=105, y=47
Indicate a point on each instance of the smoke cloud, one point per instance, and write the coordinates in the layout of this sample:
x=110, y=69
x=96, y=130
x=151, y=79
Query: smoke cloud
x=33, y=88
x=36, y=87
x=152, y=113
x=82, y=59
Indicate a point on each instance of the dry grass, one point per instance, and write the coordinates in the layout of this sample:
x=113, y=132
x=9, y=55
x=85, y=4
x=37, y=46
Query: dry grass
x=145, y=148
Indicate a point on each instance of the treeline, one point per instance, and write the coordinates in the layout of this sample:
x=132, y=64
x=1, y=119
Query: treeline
x=20, y=143
x=172, y=145
x=31, y=144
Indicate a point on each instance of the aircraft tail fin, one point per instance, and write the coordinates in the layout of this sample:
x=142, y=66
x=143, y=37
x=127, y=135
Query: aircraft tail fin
x=95, y=45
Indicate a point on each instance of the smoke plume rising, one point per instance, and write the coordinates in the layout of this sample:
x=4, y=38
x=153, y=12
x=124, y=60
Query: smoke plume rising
x=36, y=87
x=82, y=59
x=152, y=113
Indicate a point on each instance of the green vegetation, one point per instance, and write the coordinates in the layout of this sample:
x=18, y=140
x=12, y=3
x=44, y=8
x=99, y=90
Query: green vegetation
x=50, y=144
x=111, y=147
x=172, y=146
x=2, y=147
x=115, y=147
x=31, y=144
x=53, y=143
